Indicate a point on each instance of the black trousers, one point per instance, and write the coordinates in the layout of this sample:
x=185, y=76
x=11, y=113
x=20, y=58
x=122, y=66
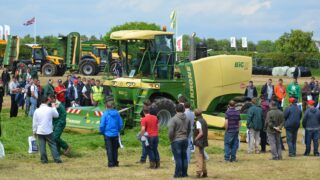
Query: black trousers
x=112, y=145
x=1, y=101
x=14, y=106
x=263, y=142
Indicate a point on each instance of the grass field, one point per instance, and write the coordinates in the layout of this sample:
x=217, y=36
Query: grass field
x=88, y=159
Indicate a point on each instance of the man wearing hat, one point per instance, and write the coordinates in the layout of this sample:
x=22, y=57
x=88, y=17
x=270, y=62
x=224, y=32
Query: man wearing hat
x=311, y=124
x=292, y=117
x=48, y=89
x=274, y=124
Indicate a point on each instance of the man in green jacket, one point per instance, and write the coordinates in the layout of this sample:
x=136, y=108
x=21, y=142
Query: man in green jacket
x=294, y=90
x=274, y=123
x=254, y=125
x=59, y=124
x=48, y=89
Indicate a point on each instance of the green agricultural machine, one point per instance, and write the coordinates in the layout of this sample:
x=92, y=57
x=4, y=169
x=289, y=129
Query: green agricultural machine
x=9, y=52
x=208, y=83
x=87, y=58
x=46, y=64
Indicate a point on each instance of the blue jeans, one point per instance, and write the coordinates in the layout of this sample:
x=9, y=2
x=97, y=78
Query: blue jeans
x=27, y=105
x=144, y=153
x=179, y=150
x=53, y=148
x=231, y=143
x=314, y=136
x=112, y=145
x=153, y=149
x=292, y=141
x=33, y=106
x=190, y=147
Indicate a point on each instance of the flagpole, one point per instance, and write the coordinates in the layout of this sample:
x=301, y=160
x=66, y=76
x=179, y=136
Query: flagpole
x=176, y=33
x=35, y=31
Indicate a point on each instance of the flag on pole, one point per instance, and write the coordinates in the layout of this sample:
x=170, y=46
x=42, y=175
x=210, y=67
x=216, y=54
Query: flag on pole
x=179, y=44
x=30, y=22
x=6, y=32
x=233, y=42
x=244, y=42
x=173, y=19
x=1, y=33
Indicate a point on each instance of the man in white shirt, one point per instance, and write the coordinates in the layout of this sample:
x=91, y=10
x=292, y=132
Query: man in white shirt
x=33, y=97
x=42, y=126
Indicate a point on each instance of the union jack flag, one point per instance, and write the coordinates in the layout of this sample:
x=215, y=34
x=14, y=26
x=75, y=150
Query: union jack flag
x=30, y=22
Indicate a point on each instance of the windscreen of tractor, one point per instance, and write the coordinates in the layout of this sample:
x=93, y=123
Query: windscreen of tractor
x=152, y=59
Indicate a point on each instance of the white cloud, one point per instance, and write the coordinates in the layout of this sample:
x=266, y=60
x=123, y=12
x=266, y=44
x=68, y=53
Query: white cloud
x=253, y=7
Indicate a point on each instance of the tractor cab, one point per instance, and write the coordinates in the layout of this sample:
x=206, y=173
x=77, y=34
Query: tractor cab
x=152, y=53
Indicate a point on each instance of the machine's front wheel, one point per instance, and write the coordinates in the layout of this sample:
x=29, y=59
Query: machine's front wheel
x=88, y=68
x=165, y=110
x=49, y=69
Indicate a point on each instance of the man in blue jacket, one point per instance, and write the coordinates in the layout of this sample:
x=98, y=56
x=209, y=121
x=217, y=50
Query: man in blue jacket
x=110, y=126
x=292, y=117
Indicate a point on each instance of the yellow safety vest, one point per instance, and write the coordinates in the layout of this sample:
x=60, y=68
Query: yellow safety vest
x=97, y=93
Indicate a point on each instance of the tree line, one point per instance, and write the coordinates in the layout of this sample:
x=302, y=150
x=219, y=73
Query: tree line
x=293, y=46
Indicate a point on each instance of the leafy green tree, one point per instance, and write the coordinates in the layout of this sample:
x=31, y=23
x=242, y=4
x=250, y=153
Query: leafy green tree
x=296, y=41
x=132, y=26
x=265, y=46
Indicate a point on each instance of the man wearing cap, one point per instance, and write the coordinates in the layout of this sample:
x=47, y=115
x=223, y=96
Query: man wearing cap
x=311, y=124
x=60, y=92
x=292, y=117
x=274, y=124
x=48, y=89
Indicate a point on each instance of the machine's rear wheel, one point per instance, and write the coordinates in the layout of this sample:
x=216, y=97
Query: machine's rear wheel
x=61, y=71
x=88, y=68
x=165, y=110
x=49, y=69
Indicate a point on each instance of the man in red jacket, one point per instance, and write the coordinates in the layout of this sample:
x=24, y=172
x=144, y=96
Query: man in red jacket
x=60, y=92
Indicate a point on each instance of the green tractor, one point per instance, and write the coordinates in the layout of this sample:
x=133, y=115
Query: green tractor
x=208, y=83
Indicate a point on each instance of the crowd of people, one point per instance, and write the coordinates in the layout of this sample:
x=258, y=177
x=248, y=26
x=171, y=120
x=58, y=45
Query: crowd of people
x=266, y=117
x=26, y=91
x=187, y=130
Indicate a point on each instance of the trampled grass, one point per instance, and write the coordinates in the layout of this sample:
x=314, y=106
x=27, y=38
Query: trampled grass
x=88, y=160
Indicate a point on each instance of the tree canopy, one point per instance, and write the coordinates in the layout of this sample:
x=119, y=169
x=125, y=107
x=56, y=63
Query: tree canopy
x=296, y=41
x=132, y=26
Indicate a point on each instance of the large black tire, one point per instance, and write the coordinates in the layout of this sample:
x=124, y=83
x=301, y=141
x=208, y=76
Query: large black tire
x=165, y=110
x=97, y=69
x=88, y=68
x=61, y=71
x=49, y=69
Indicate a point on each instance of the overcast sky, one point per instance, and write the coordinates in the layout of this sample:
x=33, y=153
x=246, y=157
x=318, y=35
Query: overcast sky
x=255, y=19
